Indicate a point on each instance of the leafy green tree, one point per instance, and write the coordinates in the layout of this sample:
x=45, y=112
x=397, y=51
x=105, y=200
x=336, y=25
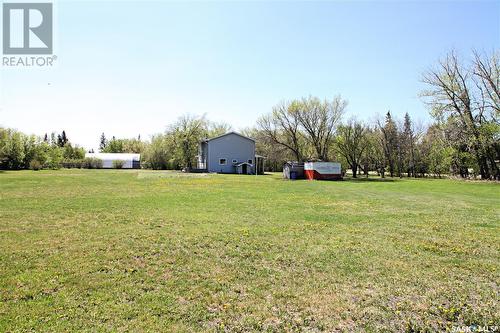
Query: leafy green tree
x=133, y=146
x=20, y=151
x=42, y=152
x=438, y=155
x=30, y=147
x=372, y=156
x=351, y=143
x=74, y=153
x=13, y=151
x=186, y=134
x=123, y=146
x=440, y=159
x=3, y=143
x=157, y=153
x=54, y=158
x=114, y=146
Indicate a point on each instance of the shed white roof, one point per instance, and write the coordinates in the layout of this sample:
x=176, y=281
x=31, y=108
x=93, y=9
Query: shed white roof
x=240, y=164
x=115, y=156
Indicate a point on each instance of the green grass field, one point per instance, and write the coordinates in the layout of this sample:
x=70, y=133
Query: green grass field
x=103, y=250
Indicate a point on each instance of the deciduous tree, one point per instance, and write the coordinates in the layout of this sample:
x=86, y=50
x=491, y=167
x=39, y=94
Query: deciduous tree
x=282, y=127
x=470, y=94
x=351, y=143
x=319, y=119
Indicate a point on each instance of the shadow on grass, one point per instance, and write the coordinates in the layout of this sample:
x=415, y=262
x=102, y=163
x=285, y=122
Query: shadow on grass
x=364, y=179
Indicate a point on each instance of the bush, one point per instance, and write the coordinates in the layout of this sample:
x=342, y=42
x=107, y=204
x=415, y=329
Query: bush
x=35, y=165
x=73, y=163
x=118, y=164
x=92, y=163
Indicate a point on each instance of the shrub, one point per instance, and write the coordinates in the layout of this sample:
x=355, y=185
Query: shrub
x=92, y=163
x=35, y=165
x=118, y=164
x=73, y=163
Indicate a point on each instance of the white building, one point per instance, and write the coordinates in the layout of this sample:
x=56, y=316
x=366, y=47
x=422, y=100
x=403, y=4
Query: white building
x=130, y=161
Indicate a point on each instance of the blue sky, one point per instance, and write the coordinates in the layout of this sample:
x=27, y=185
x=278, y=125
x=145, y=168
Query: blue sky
x=129, y=68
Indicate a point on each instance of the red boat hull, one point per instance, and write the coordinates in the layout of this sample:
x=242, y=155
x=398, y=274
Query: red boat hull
x=313, y=174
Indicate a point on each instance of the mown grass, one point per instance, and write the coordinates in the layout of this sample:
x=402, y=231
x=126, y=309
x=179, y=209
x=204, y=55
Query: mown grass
x=102, y=250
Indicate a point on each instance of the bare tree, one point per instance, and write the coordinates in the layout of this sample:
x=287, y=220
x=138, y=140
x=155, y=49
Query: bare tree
x=319, y=120
x=487, y=73
x=218, y=128
x=275, y=154
x=282, y=127
x=465, y=93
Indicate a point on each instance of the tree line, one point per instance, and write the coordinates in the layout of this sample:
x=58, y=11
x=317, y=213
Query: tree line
x=463, y=139
x=21, y=151
x=311, y=129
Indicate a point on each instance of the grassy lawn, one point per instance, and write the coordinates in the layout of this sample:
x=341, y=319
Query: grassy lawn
x=103, y=250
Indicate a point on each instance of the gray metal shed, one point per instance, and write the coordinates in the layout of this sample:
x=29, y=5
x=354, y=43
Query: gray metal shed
x=296, y=167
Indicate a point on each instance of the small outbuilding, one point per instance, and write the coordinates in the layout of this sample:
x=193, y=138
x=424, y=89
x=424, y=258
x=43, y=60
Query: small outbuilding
x=293, y=170
x=243, y=168
x=128, y=161
x=323, y=170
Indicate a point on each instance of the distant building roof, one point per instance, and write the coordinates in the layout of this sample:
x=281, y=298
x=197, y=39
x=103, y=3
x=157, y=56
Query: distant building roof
x=115, y=156
x=220, y=136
